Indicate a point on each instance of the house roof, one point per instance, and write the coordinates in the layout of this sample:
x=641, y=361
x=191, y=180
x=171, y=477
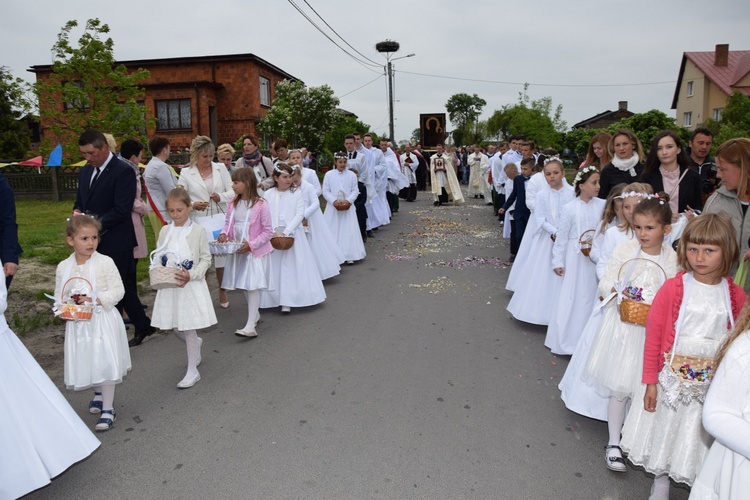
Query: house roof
x=725, y=77
x=605, y=114
x=187, y=60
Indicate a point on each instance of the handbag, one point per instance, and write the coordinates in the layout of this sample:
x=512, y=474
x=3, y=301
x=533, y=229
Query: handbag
x=213, y=223
x=686, y=378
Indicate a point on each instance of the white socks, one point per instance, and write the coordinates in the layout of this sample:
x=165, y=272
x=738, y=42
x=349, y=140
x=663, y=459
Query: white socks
x=253, y=304
x=615, y=419
x=660, y=488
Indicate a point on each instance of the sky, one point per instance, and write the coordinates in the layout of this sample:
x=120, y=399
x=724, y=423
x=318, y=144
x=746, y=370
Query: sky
x=585, y=55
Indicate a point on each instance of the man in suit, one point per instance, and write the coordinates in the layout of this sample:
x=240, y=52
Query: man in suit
x=106, y=189
x=521, y=213
x=9, y=247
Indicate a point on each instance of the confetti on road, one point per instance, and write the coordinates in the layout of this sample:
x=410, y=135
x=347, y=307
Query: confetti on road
x=470, y=261
x=437, y=285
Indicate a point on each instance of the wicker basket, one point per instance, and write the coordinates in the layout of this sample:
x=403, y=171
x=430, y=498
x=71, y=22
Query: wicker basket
x=282, y=242
x=633, y=311
x=585, y=241
x=226, y=248
x=697, y=363
x=342, y=205
x=71, y=311
x=161, y=276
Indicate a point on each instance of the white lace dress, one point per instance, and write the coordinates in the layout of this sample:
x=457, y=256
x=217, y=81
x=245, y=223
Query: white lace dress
x=245, y=271
x=325, y=251
x=96, y=351
x=673, y=441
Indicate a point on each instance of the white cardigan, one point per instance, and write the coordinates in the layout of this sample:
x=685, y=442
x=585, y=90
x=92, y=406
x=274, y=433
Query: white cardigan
x=190, y=179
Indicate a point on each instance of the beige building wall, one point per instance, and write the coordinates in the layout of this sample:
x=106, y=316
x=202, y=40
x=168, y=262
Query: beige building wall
x=694, y=104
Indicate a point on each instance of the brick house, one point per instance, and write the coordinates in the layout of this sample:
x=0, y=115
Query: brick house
x=605, y=119
x=706, y=81
x=221, y=97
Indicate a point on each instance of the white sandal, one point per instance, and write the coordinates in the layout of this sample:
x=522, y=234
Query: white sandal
x=613, y=458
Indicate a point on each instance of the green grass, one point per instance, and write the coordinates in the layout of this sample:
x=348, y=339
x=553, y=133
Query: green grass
x=41, y=232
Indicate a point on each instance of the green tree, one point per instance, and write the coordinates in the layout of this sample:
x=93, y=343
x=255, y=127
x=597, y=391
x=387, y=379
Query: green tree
x=647, y=125
x=343, y=125
x=463, y=110
x=735, y=121
x=303, y=116
x=87, y=89
x=416, y=136
x=578, y=140
x=536, y=119
x=14, y=138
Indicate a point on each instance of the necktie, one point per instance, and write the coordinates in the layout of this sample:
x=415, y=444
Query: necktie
x=96, y=176
x=350, y=156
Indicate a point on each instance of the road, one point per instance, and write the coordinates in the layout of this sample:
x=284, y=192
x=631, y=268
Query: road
x=410, y=382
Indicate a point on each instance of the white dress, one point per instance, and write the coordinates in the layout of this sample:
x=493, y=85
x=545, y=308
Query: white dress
x=40, y=434
x=245, y=271
x=343, y=224
x=578, y=291
x=536, y=294
x=325, y=251
x=615, y=363
x=295, y=277
x=725, y=473
x=189, y=307
x=673, y=441
x=96, y=351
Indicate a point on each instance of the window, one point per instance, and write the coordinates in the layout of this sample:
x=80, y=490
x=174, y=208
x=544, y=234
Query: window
x=687, y=119
x=75, y=97
x=717, y=114
x=265, y=92
x=690, y=89
x=174, y=114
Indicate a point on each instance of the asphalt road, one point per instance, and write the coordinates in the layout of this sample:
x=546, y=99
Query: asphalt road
x=410, y=381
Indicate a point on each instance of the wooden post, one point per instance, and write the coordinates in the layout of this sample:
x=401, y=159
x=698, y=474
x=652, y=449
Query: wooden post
x=55, y=187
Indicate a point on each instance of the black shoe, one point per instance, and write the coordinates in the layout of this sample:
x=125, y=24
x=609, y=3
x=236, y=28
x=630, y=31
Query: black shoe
x=139, y=336
x=436, y=204
x=370, y=234
x=513, y=258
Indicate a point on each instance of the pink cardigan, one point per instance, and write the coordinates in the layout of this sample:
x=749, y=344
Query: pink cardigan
x=660, y=325
x=259, y=230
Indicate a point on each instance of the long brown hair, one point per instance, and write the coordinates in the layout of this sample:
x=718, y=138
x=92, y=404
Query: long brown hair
x=737, y=152
x=247, y=177
x=609, y=208
x=591, y=159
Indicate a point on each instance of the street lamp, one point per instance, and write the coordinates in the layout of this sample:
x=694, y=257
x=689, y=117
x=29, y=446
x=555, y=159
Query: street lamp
x=389, y=47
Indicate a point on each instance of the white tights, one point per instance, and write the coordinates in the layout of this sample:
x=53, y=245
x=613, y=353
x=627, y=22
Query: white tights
x=253, y=304
x=108, y=395
x=615, y=419
x=192, y=343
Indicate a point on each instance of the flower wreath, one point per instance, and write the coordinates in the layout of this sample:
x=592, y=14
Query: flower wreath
x=632, y=194
x=585, y=170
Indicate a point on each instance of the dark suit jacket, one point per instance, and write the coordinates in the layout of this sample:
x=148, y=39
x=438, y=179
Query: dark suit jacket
x=690, y=192
x=9, y=247
x=611, y=176
x=111, y=200
x=521, y=212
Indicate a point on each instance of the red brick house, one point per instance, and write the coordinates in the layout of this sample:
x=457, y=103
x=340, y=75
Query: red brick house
x=221, y=97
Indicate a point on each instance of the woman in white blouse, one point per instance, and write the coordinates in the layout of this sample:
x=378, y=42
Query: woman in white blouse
x=210, y=188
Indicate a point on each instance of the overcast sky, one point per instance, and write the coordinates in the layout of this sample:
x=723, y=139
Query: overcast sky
x=548, y=42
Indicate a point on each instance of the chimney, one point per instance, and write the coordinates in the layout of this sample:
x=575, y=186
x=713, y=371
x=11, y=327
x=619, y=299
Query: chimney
x=722, y=55
x=622, y=106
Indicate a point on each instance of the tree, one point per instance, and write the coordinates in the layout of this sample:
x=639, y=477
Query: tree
x=463, y=110
x=343, y=124
x=88, y=90
x=416, y=136
x=303, y=116
x=533, y=118
x=646, y=126
x=14, y=139
x=735, y=121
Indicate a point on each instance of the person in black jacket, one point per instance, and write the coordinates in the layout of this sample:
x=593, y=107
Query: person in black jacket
x=106, y=189
x=627, y=154
x=9, y=247
x=521, y=213
x=359, y=205
x=668, y=169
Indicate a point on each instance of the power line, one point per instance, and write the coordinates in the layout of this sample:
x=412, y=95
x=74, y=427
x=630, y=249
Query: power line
x=342, y=38
x=364, y=64
x=541, y=84
x=363, y=86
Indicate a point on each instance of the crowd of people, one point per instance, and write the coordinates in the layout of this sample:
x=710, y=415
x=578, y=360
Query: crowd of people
x=629, y=268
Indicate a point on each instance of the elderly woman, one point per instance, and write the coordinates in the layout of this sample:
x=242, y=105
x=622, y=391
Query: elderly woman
x=627, y=154
x=210, y=188
x=251, y=158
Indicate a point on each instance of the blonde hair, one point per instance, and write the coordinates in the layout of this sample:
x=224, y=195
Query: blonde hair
x=179, y=194
x=609, y=208
x=637, y=146
x=201, y=144
x=710, y=229
x=225, y=148
x=637, y=187
x=111, y=143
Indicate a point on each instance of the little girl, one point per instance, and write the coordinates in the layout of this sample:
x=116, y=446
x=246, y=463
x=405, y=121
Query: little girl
x=296, y=282
x=535, y=296
x=611, y=217
x=725, y=473
x=636, y=270
x=690, y=316
x=326, y=254
x=187, y=307
x=249, y=221
x=96, y=351
x=340, y=186
x=579, y=281
x=308, y=174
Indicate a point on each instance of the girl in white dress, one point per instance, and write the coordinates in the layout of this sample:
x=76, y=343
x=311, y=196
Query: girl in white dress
x=535, y=296
x=578, y=290
x=40, y=433
x=340, y=186
x=249, y=269
x=187, y=307
x=296, y=281
x=96, y=351
x=326, y=254
x=611, y=217
x=578, y=396
x=636, y=271
x=725, y=473
x=690, y=316
x=308, y=175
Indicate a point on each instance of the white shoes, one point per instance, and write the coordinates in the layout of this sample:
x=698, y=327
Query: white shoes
x=189, y=381
x=246, y=334
x=613, y=458
x=286, y=309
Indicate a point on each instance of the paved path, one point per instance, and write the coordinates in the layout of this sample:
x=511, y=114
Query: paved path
x=410, y=381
